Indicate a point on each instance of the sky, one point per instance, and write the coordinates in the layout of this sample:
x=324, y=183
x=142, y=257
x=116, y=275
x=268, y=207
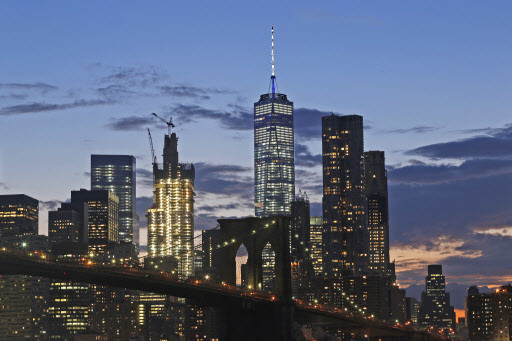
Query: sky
x=431, y=80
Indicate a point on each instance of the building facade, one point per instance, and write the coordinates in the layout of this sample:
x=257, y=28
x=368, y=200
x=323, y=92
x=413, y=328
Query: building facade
x=19, y=214
x=489, y=315
x=345, y=233
x=435, y=309
x=102, y=218
x=171, y=218
x=116, y=173
x=376, y=192
x=300, y=245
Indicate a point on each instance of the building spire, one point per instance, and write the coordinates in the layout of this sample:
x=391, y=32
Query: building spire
x=273, y=77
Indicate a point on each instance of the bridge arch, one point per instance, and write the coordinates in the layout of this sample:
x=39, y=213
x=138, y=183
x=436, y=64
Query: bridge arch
x=255, y=234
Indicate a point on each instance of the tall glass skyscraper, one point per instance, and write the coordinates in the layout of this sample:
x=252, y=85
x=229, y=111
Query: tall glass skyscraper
x=274, y=167
x=171, y=218
x=116, y=173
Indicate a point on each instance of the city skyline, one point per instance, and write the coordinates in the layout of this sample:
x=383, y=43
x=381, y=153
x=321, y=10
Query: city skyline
x=436, y=164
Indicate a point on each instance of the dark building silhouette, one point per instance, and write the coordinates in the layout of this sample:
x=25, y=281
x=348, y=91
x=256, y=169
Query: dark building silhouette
x=489, y=315
x=102, y=218
x=19, y=214
x=116, y=173
x=274, y=165
x=302, y=265
x=412, y=310
x=435, y=309
x=345, y=234
x=376, y=191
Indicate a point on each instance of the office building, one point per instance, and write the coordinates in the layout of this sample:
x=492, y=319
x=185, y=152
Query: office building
x=345, y=233
x=274, y=170
x=171, y=218
x=315, y=235
x=102, y=218
x=376, y=191
x=435, y=309
x=116, y=173
x=412, y=310
x=19, y=214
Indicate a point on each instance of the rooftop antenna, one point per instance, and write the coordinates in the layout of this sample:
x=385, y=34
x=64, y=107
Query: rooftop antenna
x=273, y=77
x=169, y=124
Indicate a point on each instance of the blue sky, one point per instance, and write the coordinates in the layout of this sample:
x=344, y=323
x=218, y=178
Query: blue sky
x=432, y=80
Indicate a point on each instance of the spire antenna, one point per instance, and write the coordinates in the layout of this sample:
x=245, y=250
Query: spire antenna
x=273, y=73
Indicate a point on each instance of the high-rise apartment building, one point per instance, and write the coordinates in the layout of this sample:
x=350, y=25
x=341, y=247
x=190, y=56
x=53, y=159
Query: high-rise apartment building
x=102, y=217
x=376, y=190
x=345, y=233
x=489, y=315
x=171, y=218
x=435, y=309
x=274, y=166
x=116, y=173
x=19, y=214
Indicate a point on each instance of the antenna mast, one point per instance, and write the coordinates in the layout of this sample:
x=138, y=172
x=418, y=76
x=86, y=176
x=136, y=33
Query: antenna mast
x=273, y=77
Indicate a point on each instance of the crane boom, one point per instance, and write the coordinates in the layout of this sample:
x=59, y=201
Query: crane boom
x=169, y=124
x=152, y=149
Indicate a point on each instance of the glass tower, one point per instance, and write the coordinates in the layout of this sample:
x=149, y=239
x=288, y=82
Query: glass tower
x=171, y=218
x=274, y=167
x=116, y=173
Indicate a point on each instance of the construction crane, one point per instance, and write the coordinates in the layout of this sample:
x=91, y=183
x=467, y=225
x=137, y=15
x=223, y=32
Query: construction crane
x=169, y=124
x=152, y=149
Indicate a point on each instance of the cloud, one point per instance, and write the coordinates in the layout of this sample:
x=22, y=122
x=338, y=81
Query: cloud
x=38, y=107
x=228, y=180
x=191, y=91
x=236, y=119
x=304, y=157
x=130, y=123
x=497, y=143
x=420, y=173
x=4, y=186
x=133, y=76
x=50, y=205
x=145, y=177
x=115, y=92
x=416, y=130
x=41, y=87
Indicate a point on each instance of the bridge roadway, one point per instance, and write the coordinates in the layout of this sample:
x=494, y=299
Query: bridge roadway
x=239, y=304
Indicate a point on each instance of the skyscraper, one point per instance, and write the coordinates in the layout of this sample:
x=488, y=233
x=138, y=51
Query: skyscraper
x=171, y=218
x=345, y=234
x=376, y=190
x=116, y=173
x=274, y=167
x=300, y=245
x=435, y=309
x=102, y=216
x=19, y=214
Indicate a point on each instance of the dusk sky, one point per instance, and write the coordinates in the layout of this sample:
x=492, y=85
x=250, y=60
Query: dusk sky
x=431, y=79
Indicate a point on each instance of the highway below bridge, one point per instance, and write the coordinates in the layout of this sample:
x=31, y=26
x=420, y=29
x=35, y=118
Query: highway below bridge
x=247, y=315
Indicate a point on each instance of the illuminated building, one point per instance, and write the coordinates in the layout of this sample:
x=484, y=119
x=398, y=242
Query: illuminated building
x=376, y=190
x=24, y=299
x=19, y=214
x=345, y=234
x=268, y=257
x=274, y=172
x=116, y=173
x=300, y=245
x=64, y=226
x=171, y=218
x=412, y=310
x=102, y=217
x=435, y=309
x=316, y=228
x=489, y=315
